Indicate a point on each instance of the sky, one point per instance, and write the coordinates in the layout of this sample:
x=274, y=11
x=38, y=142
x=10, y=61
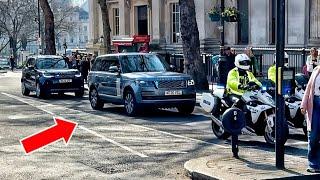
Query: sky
x=77, y=2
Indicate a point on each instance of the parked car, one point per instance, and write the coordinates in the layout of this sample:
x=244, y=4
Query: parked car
x=4, y=65
x=139, y=80
x=46, y=74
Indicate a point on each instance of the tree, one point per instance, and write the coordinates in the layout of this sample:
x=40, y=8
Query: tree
x=191, y=44
x=106, y=25
x=17, y=21
x=49, y=27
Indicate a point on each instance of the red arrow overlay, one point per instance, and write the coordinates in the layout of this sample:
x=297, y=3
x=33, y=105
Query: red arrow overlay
x=62, y=129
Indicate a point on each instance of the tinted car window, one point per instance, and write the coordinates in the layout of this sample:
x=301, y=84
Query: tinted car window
x=103, y=64
x=141, y=63
x=51, y=63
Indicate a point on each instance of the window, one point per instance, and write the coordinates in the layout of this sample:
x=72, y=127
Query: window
x=243, y=25
x=116, y=20
x=104, y=63
x=175, y=22
x=85, y=28
x=85, y=38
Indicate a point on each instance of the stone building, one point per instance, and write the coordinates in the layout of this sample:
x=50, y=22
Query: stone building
x=160, y=20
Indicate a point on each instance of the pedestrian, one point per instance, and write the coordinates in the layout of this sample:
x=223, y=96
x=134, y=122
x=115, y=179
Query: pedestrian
x=312, y=60
x=78, y=61
x=310, y=106
x=254, y=64
x=233, y=52
x=84, y=68
x=12, y=63
x=225, y=64
x=144, y=48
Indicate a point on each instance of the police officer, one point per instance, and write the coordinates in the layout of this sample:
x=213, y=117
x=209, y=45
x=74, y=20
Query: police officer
x=272, y=69
x=240, y=79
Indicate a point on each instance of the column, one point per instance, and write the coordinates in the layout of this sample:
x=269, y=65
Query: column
x=259, y=18
x=124, y=17
x=93, y=21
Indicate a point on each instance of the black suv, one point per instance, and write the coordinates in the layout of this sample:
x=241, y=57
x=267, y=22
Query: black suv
x=46, y=74
x=139, y=80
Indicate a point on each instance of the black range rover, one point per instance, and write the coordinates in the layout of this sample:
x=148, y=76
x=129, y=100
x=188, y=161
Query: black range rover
x=46, y=74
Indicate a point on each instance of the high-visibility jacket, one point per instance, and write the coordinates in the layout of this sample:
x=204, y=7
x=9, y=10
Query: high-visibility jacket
x=272, y=73
x=234, y=80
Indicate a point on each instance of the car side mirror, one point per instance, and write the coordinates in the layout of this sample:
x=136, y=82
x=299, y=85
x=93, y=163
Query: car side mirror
x=114, y=69
x=173, y=68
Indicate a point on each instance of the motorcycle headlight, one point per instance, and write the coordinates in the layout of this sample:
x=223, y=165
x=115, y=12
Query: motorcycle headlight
x=190, y=82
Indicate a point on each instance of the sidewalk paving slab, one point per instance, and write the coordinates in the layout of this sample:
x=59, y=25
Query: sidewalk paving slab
x=253, y=164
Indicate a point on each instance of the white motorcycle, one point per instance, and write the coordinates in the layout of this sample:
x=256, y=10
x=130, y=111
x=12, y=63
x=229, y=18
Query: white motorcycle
x=259, y=110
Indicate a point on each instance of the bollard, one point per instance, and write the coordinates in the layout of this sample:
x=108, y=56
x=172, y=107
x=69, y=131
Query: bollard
x=233, y=120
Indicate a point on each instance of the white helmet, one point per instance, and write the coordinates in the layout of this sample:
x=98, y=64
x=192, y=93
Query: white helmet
x=242, y=61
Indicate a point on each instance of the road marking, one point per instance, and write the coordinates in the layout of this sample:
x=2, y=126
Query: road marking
x=113, y=142
x=297, y=143
x=81, y=127
x=159, y=151
x=134, y=125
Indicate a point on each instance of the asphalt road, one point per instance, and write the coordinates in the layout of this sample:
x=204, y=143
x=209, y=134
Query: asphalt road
x=107, y=144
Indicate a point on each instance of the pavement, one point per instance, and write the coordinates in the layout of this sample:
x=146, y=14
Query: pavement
x=252, y=164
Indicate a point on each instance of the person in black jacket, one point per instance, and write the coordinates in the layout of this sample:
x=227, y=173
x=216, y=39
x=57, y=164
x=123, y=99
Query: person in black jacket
x=84, y=68
x=225, y=65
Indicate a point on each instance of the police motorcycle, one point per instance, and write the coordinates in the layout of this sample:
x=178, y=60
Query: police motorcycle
x=258, y=108
x=294, y=117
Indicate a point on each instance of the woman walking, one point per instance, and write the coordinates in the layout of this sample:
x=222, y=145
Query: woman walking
x=311, y=107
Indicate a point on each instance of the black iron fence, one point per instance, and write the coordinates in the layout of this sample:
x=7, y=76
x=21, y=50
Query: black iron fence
x=264, y=58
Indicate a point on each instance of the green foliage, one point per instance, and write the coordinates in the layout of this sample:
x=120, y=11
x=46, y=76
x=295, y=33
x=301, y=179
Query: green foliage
x=230, y=11
x=215, y=11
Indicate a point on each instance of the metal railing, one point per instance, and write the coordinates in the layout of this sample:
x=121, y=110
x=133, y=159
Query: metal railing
x=264, y=58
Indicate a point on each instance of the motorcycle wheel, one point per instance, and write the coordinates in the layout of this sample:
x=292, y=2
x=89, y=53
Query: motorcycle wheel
x=219, y=132
x=270, y=135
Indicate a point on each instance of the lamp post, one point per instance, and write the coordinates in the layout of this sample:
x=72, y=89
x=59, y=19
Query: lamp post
x=222, y=30
x=280, y=116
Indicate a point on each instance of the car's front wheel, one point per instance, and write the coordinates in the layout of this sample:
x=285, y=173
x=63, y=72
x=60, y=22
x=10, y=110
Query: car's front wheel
x=186, y=109
x=24, y=90
x=130, y=103
x=95, y=101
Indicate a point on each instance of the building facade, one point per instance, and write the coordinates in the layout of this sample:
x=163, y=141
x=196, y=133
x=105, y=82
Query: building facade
x=161, y=20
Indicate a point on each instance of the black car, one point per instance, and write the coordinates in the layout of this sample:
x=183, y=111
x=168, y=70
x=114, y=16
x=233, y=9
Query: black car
x=46, y=74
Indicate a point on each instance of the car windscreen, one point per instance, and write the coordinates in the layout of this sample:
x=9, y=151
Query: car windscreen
x=4, y=63
x=141, y=63
x=51, y=63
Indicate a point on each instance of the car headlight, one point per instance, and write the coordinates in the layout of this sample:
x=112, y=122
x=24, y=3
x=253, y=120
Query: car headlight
x=47, y=75
x=190, y=82
x=78, y=75
x=145, y=83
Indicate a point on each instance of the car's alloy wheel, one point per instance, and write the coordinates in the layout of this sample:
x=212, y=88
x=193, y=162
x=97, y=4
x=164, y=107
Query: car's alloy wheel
x=24, y=90
x=95, y=101
x=130, y=104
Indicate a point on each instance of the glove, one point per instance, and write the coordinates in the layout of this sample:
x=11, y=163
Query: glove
x=252, y=84
x=243, y=87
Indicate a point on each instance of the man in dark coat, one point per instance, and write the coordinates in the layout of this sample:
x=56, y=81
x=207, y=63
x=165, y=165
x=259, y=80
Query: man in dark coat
x=225, y=64
x=12, y=62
